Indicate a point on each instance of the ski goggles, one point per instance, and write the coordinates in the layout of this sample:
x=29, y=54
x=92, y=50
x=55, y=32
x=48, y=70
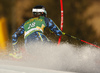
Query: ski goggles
x=39, y=10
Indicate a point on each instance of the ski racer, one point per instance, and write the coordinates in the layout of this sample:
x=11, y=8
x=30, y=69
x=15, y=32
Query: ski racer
x=34, y=27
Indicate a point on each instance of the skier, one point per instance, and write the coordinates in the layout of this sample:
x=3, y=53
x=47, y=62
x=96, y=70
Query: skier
x=34, y=27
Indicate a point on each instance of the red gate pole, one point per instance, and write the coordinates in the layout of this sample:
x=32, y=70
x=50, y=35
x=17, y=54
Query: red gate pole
x=61, y=26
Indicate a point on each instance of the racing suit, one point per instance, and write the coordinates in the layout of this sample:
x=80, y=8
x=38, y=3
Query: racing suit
x=33, y=30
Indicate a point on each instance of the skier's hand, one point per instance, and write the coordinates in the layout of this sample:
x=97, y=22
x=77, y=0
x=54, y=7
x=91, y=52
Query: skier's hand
x=63, y=33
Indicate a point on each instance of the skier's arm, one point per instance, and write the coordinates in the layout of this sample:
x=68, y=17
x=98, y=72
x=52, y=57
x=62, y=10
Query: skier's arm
x=18, y=33
x=53, y=27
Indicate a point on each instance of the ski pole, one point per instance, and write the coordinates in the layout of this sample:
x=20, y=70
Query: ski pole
x=80, y=39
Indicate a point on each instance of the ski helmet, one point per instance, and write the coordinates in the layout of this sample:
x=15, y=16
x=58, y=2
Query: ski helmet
x=39, y=10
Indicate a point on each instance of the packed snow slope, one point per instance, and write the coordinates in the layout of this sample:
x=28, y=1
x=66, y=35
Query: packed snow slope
x=63, y=58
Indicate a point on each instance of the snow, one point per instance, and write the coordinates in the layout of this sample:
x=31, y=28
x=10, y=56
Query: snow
x=19, y=69
x=50, y=58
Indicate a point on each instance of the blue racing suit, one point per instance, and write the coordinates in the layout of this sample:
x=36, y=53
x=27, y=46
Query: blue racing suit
x=33, y=30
